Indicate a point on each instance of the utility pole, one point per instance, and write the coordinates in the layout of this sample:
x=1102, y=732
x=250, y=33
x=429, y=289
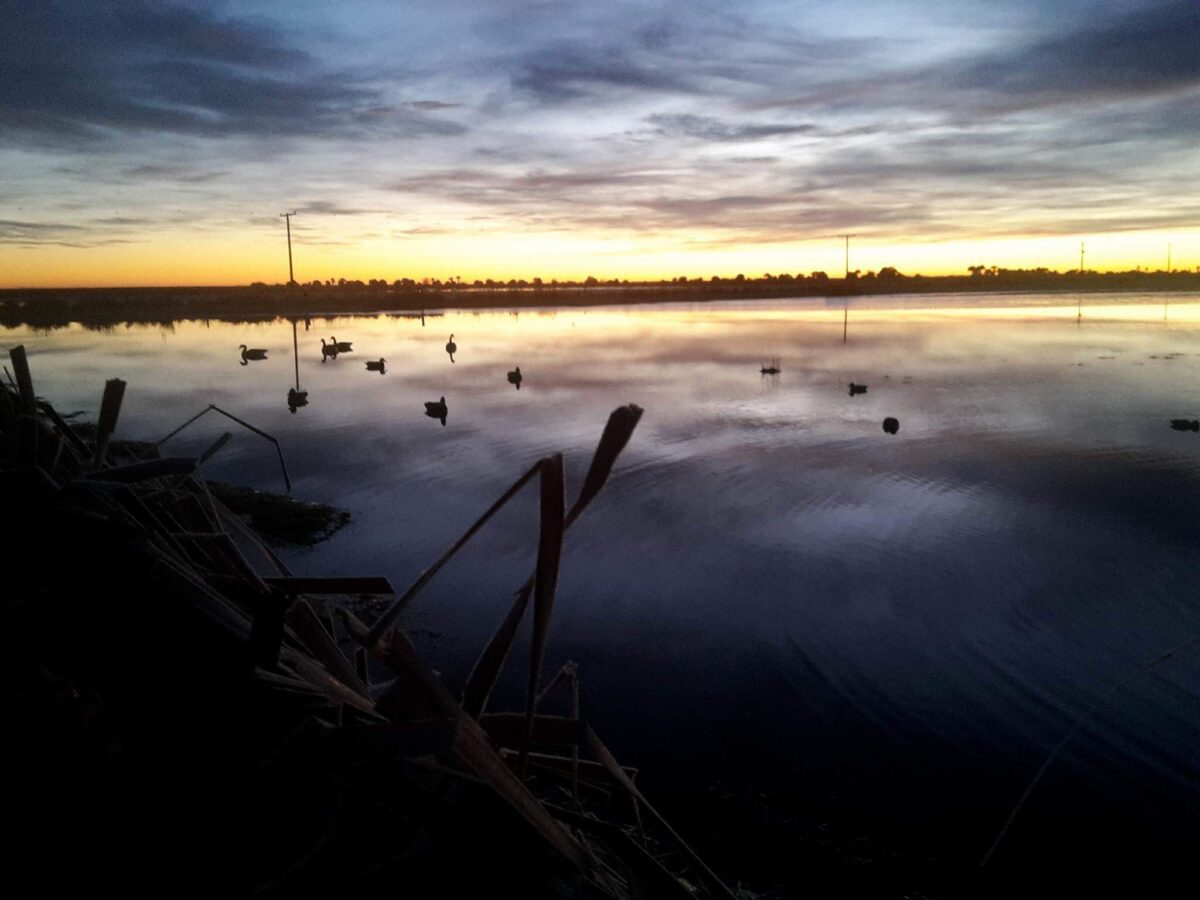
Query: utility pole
x=1081, y=257
x=288, y=217
x=1167, y=296
x=847, y=237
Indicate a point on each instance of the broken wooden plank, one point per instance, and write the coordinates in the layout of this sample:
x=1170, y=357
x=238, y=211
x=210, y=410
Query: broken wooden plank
x=550, y=540
x=487, y=668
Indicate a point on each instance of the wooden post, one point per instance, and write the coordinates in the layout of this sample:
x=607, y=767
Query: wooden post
x=24, y=379
x=110, y=411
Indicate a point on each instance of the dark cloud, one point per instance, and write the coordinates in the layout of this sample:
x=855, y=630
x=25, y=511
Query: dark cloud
x=707, y=128
x=1152, y=50
x=330, y=208
x=75, y=72
x=40, y=234
x=172, y=172
x=567, y=71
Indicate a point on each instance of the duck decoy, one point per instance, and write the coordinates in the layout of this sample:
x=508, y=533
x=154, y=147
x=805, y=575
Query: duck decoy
x=891, y=425
x=1186, y=424
x=328, y=350
x=296, y=399
x=249, y=353
x=451, y=348
x=514, y=377
x=857, y=389
x=377, y=365
x=436, y=409
x=343, y=346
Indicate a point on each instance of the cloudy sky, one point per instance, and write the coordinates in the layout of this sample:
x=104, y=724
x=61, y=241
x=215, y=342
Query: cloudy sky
x=156, y=143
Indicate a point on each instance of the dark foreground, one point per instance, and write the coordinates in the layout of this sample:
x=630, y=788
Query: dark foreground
x=183, y=712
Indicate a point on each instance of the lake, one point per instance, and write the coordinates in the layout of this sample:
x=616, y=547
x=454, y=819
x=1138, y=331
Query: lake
x=828, y=648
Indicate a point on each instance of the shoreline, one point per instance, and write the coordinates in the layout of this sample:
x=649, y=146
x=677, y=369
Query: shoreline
x=51, y=307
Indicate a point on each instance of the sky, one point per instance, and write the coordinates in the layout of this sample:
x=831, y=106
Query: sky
x=157, y=143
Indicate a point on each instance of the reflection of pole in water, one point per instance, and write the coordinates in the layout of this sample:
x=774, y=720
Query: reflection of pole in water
x=845, y=320
x=296, y=353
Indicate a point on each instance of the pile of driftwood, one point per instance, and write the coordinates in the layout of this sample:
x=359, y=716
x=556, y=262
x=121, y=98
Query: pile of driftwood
x=184, y=713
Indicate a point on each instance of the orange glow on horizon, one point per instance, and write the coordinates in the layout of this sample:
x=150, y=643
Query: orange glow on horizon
x=208, y=259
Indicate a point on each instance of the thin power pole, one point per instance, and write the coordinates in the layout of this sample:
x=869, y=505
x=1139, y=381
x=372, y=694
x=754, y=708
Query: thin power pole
x=1168, y=257
x=847, y=237
x=288, y=217
x=1081, y=257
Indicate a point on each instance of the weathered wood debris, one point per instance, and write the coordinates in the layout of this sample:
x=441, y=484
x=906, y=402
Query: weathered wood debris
x=187, y=714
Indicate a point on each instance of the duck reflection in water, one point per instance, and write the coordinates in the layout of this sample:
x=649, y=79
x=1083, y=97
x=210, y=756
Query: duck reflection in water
x=296, y=399
x=436, y=409
x=514, y=378
x=451, y=348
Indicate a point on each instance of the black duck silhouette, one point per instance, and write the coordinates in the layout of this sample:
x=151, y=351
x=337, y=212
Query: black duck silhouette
x=377, y=365
x=328, y=350
x=857, y=389
x=514, y=378
x=343, y=346
x=451, y=348
x=436, y=409
x=1186, y=424
x=249, y=353
x=891, y=425
x=296, y=399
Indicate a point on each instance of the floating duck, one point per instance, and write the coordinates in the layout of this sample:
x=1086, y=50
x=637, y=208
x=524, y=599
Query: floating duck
x=451, y=348
x=514, y=377
x=328, y=350
x=771, y=370
x=249, y=353
x=857, y=389
x=296, y=399
x=891, y=425
x=436, y=409
x=343, y=346
x=376, y=365
x=1186, y=424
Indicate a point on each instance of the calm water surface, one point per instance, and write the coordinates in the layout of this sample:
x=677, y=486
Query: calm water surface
x=871, y=641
